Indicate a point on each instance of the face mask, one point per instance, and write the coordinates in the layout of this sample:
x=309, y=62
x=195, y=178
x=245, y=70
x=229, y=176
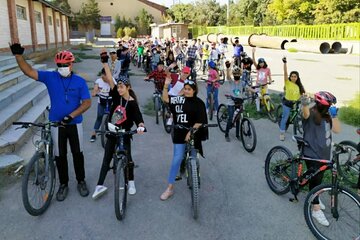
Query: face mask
x=64, y=71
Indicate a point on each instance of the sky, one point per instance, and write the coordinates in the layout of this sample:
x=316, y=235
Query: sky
x=168, y=3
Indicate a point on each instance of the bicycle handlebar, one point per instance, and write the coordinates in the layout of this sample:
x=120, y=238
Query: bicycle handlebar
x=119, y=133
x=262, y=85
x=192, y=129
x=42, y=125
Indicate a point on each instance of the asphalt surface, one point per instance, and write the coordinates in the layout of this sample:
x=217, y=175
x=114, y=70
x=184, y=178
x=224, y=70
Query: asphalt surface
x=235, y=200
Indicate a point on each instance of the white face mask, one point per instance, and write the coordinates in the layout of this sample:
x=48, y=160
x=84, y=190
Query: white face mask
x=64, y=71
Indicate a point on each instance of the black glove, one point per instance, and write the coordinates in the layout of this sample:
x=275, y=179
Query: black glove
x=17, y=49
x=67, y=119
x=104, y=57
x=284, y=60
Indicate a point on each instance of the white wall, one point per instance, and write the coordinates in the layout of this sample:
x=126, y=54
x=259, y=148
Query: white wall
x=51, y=27
x=58, y=28
x=40, y=27
x=5, y=36
x=24, y=28
x=64, y=26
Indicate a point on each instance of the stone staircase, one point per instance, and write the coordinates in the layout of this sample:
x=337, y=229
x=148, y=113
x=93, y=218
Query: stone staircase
x=21, y=99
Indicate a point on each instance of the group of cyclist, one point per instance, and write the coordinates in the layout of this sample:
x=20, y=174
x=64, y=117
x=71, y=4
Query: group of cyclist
x=69, y=96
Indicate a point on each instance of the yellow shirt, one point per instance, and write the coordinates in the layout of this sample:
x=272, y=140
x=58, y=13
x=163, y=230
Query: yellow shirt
x=206, y=54
x=292, y=91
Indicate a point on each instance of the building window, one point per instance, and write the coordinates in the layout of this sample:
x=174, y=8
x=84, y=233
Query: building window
x=21, y=12
x=57, y=22
x=50, y=20
x=38, y=17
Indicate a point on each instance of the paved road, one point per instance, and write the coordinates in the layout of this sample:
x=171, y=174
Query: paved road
x=235, y=203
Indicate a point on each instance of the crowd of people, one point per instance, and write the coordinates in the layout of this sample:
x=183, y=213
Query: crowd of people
x=170, y=62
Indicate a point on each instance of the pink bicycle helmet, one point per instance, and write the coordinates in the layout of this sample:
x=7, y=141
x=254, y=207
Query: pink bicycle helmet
x=64, y=57
x=325, y=98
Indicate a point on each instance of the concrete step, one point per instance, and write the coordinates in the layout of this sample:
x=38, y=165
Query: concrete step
x=11, y=139
x=8, y=69
x=27, y=95
x=9, y=160
x=6, y=60
x=16, y=77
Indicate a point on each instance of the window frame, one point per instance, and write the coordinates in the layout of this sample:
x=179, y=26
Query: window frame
x=23, y=12
x=38, y=17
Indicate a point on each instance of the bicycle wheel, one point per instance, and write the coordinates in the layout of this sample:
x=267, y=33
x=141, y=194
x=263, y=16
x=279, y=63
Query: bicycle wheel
x=347, y=206
x=278, y=169
x=248, y=134
x=211, y=105
x=270, y=109
x=298, y=126
x=222, y=117
x=103, y=129
x=279, y=111
x=194, y=188
x=157, y=109
x=120, y=189
x=166, y=115
x=38, y=184
x=350, y=163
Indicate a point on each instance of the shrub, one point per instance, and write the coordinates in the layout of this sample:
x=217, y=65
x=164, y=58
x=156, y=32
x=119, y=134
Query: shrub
x=120, y=33
x=350, y=114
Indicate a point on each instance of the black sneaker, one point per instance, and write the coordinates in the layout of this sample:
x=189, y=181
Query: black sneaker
x=93, y=138
x=62, y=192
x=227, y=138
x=82, y=188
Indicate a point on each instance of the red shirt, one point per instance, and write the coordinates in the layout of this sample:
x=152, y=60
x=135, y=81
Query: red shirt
x=159, y=77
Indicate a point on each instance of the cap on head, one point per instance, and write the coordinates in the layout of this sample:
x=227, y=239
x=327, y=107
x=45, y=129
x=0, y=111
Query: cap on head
x=123, y=79
x=186, y=70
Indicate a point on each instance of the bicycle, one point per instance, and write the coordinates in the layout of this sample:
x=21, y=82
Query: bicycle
x=40, y=171
x=247, y=128
x=294, y=118
x=192, y=167
x=120, y=168
x=349, y=167
x=160, y=108
x=105, y=118
x=265, y=101
x=284, y=173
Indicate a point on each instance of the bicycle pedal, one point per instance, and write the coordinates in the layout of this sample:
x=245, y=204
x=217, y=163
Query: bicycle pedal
x=293, y=200
x=178, y=178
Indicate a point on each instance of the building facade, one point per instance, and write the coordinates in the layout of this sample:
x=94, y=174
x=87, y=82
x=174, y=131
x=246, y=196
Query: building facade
x=37, y=25
x=110, y=8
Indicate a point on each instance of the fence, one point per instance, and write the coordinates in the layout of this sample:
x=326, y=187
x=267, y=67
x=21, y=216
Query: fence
x=343, y=31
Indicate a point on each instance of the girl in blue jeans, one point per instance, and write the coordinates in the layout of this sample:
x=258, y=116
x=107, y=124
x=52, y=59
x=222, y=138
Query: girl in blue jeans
x=293, y=89
x=188, y=110
x=213, y=84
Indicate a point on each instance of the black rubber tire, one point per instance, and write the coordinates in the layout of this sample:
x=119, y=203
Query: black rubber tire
x=297, y=125
x=247, y=129
x=222, y=117
x=271, y=110
x=120, y=190
x=165, y=119
x=38, y=161
x=349, y=170
x=279, y=116
x=282, y=167
x=157, y=109
x=194, y=188
x=103, y=129
x=211, y=106
x=352, y=224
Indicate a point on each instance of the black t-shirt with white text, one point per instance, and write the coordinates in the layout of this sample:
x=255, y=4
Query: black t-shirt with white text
x=186, y=111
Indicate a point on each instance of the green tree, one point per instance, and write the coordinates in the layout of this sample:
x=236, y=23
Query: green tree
x=120, y=33
x=209, y=13
x=127, y=31
x=335, y=11
x=133, y=32
x=181, y=12
x=89, y=15
x=143, y=20
x=63, y=4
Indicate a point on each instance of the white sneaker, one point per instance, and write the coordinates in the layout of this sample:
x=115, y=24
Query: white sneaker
x=99, y=191
x=131, y=188
x=215, y=113
x=320, y=218
x=322, y=206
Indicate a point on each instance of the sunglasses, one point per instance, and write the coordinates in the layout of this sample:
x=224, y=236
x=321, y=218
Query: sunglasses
x=60, y=65
x=189, y=82
x=112, y=52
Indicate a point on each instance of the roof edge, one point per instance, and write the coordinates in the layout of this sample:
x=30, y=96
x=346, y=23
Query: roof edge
x=155, y=5
x=53, y=6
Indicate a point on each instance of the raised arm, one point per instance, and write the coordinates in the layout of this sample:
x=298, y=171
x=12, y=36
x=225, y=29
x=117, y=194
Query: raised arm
x=253, y=57
x=285, y=69
x=165, y=93
x=17, y=50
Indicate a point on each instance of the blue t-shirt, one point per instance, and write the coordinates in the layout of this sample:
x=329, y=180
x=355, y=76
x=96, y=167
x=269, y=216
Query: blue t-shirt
x=66, y=94
x=238, y=49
